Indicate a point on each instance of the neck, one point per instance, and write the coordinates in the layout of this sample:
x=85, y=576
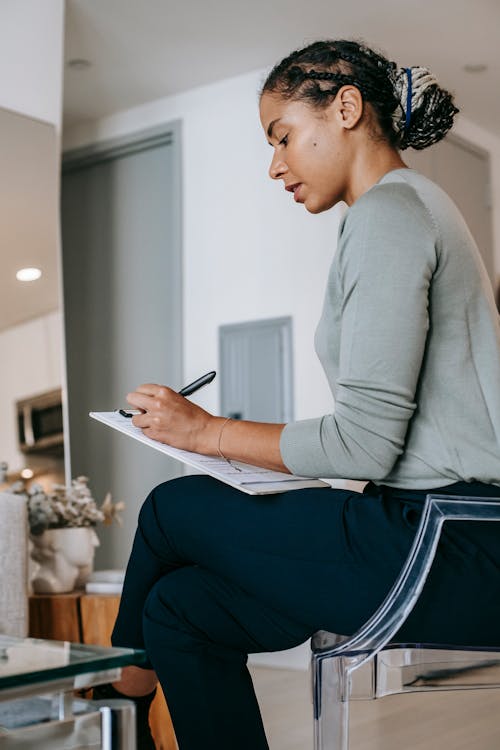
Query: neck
x=369, y=166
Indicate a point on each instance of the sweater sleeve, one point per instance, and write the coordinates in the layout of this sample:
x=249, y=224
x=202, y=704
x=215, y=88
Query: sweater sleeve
x=385, y=262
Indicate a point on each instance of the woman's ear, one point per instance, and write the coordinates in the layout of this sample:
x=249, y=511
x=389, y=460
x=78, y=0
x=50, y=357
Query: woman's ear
x=349, y=106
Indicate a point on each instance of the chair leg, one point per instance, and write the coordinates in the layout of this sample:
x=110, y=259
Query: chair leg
x=118, y=725
x=330, y=703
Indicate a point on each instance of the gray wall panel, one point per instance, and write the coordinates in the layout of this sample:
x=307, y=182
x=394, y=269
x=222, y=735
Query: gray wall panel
x=122, y=300
x=256, y=370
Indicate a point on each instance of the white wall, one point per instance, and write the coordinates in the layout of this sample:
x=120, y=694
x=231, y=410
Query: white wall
x=31, y=56
x=31, y=364
x=475, y=134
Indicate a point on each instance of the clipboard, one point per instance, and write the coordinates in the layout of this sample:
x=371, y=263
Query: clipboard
x=254, y=480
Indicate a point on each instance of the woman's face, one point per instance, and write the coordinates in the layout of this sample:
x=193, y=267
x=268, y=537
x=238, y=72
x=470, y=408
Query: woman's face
x=311, y=150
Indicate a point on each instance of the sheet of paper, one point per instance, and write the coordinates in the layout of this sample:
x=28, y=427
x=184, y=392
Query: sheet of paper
x=251, y=479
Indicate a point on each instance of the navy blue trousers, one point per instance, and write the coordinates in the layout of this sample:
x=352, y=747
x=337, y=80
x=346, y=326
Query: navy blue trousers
x=215, y=574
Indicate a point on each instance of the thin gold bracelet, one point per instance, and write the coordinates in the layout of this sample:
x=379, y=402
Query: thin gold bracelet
x=219, y=451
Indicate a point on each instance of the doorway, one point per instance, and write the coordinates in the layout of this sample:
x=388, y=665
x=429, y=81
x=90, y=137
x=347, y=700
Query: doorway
x=121, y=239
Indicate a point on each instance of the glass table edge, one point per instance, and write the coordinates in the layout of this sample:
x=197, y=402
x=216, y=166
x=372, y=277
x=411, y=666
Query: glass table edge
x=102, y=662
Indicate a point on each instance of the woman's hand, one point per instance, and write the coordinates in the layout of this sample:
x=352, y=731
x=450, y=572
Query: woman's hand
x=173, y=419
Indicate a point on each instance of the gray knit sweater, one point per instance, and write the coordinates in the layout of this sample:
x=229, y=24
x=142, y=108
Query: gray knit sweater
x=409, y=339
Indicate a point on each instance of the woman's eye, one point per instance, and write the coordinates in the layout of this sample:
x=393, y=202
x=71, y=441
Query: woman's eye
x=284, y=141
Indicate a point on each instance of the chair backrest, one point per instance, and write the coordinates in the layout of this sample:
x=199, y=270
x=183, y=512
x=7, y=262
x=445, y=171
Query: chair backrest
x=386, y=621
x=13, y=565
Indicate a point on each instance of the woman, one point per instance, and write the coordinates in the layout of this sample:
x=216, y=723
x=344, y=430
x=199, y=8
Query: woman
x=410, y=344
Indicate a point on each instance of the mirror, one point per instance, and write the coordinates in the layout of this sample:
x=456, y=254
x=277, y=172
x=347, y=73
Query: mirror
x=30, y=312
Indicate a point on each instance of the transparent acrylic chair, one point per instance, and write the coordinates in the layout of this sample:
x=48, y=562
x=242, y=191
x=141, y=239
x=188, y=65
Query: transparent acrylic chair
x=368, y=666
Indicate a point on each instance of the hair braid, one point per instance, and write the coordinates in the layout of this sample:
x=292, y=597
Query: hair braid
x=431, y=109
x=317, y=72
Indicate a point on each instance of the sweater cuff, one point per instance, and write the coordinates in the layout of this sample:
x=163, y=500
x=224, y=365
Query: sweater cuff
x=302, y=451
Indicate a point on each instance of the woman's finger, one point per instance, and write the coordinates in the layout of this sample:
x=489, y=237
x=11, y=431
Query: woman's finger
x=141, y=400
x=154, y=400
x=149, y=389
x=142, y=420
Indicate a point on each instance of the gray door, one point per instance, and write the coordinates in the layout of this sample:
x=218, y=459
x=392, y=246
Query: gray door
x=122, y=308
x=256, y=370
x=464, y=172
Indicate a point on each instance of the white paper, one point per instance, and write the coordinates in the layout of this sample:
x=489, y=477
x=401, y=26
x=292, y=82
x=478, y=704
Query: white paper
x=251, y=479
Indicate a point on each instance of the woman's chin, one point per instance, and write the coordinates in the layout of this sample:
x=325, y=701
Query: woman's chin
x=314, y=207
x=318, y=205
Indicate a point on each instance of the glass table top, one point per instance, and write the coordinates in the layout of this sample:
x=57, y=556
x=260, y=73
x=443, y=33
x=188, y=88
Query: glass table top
x=27, y=661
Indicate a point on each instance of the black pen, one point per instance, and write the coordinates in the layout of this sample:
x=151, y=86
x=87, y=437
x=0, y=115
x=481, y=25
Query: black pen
x=186, y=391
x=196, y=384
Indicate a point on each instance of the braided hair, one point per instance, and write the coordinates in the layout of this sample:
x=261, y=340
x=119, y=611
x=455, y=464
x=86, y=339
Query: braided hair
x=410, y=107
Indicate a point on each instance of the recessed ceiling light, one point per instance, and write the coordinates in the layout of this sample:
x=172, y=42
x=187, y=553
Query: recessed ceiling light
x=27, y=474
x=475, y=68
x=79, y=63
x=28, y=274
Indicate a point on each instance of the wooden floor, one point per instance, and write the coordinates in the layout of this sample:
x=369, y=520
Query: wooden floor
x=458, y=720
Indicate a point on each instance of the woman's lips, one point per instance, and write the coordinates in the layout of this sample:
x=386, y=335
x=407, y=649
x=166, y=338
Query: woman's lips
x=295, y=189
x=296, y=193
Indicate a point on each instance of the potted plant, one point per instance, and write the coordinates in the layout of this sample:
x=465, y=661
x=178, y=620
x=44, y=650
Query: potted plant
x=62, y=530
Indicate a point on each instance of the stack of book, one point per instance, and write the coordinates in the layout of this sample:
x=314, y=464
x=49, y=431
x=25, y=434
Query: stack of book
x=105, y=582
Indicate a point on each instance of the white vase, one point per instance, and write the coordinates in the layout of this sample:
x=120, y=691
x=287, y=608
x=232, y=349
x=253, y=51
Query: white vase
x=65, y=559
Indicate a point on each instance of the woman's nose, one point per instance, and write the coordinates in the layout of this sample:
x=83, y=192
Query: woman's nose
x=277, y=168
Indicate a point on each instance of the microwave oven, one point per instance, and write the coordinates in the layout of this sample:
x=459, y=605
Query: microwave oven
x=40, y=423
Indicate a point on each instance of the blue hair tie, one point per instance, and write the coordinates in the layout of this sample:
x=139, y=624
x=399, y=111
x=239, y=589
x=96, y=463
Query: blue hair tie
x=408, y=99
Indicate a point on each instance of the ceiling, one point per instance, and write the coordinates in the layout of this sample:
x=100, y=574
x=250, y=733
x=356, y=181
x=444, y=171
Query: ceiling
x=146, y=49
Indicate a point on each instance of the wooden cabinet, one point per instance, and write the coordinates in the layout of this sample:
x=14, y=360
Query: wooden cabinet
x=89, y=618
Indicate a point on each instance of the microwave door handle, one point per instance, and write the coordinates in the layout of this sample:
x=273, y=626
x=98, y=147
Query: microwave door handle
x=29, y=438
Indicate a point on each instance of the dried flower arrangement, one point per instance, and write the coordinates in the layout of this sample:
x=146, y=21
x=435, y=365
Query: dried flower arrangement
x=66, y=506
